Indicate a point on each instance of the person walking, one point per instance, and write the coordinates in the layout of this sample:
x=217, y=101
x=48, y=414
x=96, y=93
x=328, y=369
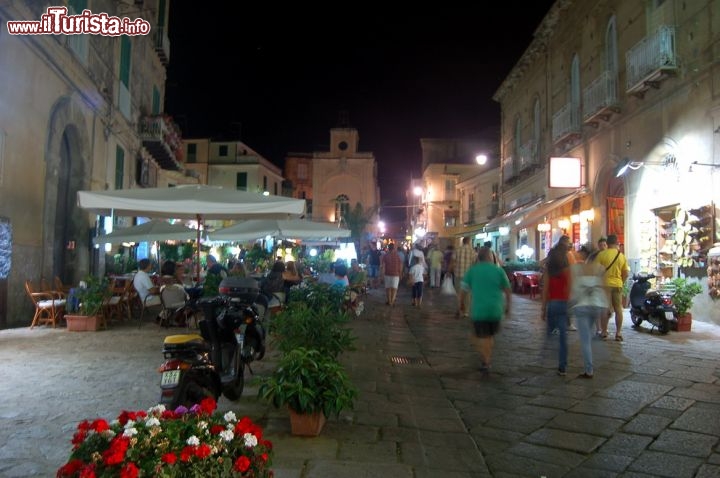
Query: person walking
x=417, y=273
x=373, y=265
x=463, y=258
x=555, y=294
x=436, y=260
x=486, y=284
x=495, y=259
x=616, y=273
x=391, y=268
x=589, y=303
x=601, y=246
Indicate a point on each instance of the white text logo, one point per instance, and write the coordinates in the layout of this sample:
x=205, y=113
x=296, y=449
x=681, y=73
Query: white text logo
x=57, y=22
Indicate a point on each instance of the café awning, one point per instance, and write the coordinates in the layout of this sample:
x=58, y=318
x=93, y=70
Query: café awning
x=531, y=213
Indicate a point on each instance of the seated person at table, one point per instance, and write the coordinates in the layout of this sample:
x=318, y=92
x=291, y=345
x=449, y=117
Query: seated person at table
x=274, y=284
x=237, y=270
x=214, y=268
x=291, y=274
x=168, y=273
x=144, y=285
x=356, y=276
x=341, y=279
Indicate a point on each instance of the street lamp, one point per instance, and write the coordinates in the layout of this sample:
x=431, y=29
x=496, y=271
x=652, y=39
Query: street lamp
x=481, y=159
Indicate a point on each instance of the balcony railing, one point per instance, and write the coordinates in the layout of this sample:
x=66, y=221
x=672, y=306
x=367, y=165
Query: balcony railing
x=528, y=155
x=162, y=44
x=600, y=96
x=650, y=58
x=162, y=138
x=566, y=122
x=509, y=169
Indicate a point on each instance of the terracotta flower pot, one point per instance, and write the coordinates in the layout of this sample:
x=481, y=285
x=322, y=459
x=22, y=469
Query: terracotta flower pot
x=304, y=424
x=82, y=323
x=683, y=323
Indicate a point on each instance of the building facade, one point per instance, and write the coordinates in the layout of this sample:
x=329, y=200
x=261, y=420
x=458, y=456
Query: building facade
x=341, y=177
x=447, y=201
x=628, y=91
x=77, y=112
x=231, y=165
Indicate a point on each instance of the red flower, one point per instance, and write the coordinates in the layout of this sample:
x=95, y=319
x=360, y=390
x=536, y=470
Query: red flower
x=100, y=425
x=264, y=457
x=242, y=464
x=70, y=468
x=208, y=405
x=245, y=425
x=169, y=458
x=88, y=472
x=129, y=471
x=203, y=451
x=186, y=454
x=79, y=437
x=115, y=454
x=216, y=429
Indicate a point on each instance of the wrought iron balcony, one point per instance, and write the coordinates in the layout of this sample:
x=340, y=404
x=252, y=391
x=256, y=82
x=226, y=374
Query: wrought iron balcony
x=162, y=139
x=528, y=155
x=650, y=61
x=600, y=98
x=162, y=44
x=566, y=123
x=509, y=169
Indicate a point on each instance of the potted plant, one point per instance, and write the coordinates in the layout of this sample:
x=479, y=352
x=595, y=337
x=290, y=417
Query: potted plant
x=312, y=385
x=685, y=292
x=170, y=443
x=90, y=297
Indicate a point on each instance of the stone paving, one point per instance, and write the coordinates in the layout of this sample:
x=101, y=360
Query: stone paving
x=424, y=410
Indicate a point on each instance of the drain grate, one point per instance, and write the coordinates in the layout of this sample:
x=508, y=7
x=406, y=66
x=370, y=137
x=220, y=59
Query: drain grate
x=403, y=360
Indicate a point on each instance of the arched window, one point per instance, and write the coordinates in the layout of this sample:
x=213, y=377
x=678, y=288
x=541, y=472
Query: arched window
x=611, y=58
x=342, y=207
x=575, y=91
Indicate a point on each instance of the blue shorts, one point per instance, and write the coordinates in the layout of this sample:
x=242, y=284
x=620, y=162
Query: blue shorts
x=486, y=328
x=373, y=271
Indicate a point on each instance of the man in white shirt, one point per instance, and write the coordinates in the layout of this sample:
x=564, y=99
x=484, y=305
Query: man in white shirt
x=144, y=285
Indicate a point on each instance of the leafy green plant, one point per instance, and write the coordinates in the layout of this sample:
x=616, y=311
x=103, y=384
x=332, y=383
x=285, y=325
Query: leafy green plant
x=685, y=292
x=318, y=295
x=211, y=286
x=309, y=381
x=320, y=328
x=91, y=296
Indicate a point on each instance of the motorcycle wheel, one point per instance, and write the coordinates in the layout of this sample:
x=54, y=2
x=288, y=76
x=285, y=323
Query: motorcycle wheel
x=254, y=348
x=663, y=325
x=195, y=387
x=233, y=390
x=636, y=319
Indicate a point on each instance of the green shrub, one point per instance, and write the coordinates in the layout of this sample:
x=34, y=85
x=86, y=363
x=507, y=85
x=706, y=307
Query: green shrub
x=312, y=326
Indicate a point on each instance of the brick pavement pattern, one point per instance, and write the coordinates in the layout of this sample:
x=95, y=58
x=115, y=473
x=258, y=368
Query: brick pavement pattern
x=424, y=410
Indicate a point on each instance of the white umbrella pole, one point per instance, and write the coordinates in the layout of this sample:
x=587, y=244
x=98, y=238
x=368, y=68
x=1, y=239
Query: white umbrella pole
x=197, y=258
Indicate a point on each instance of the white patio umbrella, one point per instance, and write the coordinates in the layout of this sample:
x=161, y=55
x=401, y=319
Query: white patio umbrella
x=155, y=230
x=280, y=229
x=189, y=202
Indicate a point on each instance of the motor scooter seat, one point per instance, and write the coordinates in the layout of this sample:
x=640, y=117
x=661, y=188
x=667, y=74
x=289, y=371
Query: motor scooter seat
x=183, y=341
x=652, y=294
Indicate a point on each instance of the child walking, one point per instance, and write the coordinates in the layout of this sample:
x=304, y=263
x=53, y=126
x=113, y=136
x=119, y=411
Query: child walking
x=416, y=272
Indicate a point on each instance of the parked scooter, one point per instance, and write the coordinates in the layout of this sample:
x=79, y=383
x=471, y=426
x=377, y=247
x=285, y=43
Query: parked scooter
x=231, y=337
x=649, y=304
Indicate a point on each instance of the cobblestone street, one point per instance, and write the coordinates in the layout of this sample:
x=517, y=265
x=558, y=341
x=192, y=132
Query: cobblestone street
x=424, y=410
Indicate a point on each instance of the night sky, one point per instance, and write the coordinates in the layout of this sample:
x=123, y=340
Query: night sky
x=278, y=78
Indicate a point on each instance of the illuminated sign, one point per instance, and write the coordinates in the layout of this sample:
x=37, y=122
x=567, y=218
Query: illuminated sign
x=565, y=172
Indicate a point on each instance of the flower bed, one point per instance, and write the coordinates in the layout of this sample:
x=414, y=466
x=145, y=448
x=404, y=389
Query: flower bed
x=193, y=442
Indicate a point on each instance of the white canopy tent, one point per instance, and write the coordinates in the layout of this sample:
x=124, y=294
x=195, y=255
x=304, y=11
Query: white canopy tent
x=155, y=230
x=280, y=229
x=198, y=202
